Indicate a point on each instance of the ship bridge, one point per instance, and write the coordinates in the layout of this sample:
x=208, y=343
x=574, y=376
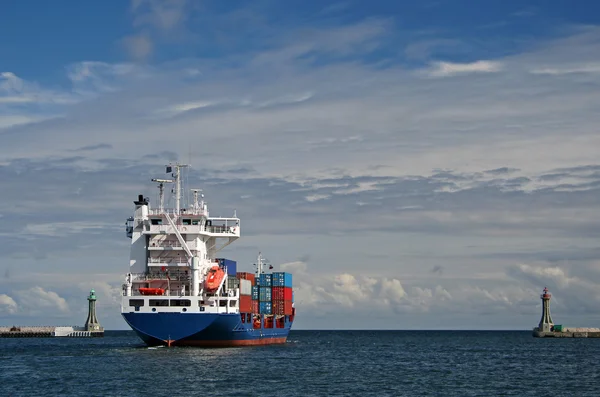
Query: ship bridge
x=177, y=244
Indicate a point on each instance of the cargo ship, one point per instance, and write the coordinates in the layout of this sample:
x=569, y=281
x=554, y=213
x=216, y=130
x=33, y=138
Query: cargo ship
x=179, y=291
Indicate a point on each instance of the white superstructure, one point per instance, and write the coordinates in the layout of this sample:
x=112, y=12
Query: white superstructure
x=172, y=252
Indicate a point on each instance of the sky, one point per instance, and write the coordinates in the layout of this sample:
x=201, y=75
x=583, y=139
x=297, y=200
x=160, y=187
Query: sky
x=415, y=165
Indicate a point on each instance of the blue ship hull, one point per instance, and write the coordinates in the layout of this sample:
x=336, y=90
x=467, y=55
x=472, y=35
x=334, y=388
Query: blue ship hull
x=202, y=329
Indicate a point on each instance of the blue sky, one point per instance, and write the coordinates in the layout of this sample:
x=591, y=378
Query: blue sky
x=63, y=35
x=438, y=158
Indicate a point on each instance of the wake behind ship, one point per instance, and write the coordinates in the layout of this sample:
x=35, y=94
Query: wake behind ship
x=179, y=293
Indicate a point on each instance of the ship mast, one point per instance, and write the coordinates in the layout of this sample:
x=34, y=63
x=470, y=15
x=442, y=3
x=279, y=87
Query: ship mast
x=161, y=193
x=196, y=205
x=259, y=265
x=177, y=176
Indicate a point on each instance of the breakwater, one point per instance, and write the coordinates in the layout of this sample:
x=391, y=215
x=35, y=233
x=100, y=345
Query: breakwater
x=568, y=333
x=47, y=332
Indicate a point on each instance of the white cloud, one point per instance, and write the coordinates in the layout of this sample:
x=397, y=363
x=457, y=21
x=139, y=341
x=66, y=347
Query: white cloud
x=7, y=304
x=160, y=14
x=93, y=70
x=139, y=46
x=14, y=120
x=300, y=141
x=364, y=297
x=316, y=197
x=359, y=38
x=155, y=20
x=445, y=69
x=36, y=300
x=323, y=292
x=569, y=69
x=555, y=275
x=10, y=82
x=106, y=294
x=185, y=106
x=16, y=91
x=405, y=125
x=63, y=228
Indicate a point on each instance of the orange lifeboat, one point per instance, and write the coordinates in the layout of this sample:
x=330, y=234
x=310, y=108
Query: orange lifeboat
x=152, y=291
x=215, y=276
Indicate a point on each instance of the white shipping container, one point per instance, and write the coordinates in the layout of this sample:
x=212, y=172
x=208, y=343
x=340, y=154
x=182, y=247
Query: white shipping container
x=245, y=287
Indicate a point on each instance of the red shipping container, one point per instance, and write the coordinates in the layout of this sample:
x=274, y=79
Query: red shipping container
x=282, y=293
x=254, y=306
x=245, y=304
x=246, y=276
x=282, y=307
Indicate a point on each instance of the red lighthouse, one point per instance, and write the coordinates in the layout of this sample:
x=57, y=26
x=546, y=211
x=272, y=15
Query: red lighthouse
x=546, y=323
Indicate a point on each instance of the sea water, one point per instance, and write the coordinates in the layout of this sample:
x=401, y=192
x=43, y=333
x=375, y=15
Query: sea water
x=312, y=363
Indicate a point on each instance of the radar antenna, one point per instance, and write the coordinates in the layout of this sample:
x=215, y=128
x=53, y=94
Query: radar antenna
x=161, y=187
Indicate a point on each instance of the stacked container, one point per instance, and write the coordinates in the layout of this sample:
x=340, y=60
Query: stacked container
x=245, y=296
x=282, y=279
x=282, y=294
x=268, y=294
x=229, y=265
x=265, y=294
x=247, y=288
x=233, y=282
x=265, y=279
x=266, y=307
x=246, y=276
x=282, y=307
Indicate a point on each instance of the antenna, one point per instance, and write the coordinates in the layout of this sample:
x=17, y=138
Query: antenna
x=260, y=262
x=196, y=205
x=161, y=193
x=259, y=265
x=177, y=176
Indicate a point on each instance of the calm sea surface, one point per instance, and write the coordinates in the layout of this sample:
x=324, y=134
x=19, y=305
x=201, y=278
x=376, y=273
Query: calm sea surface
x=312, y=363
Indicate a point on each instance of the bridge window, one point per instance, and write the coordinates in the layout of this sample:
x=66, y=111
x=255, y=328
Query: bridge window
x=136, y=302
x=186, y=221
x=159, y=302
x=181, y=302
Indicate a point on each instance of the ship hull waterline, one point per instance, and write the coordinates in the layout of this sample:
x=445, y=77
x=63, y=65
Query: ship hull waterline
x=201, y=330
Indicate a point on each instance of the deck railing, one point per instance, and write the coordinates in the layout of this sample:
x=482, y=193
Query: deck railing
x=172, y=211
x=195, y=229
x=171, y=261
x=163, y=243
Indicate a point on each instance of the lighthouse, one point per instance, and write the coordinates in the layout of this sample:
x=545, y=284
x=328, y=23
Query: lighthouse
x=546, y=322
x=92, y=324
